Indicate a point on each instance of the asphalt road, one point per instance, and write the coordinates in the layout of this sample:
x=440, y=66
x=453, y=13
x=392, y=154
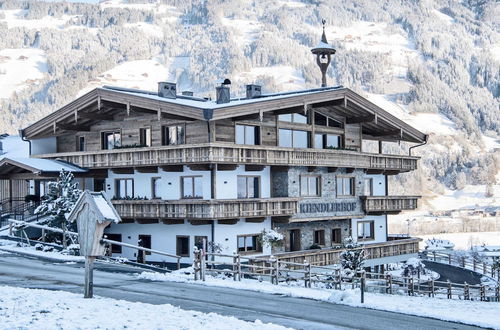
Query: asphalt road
x=117, y=281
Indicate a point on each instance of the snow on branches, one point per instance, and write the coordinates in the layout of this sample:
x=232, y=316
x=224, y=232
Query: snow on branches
x=353, y=256
x=271, y=238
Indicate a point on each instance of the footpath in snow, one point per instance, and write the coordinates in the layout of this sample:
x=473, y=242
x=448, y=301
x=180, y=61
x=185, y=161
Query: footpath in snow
x=484, y=314
x=42, y=309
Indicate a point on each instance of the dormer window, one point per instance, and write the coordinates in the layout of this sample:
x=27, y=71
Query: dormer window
x=111, y=140
x=322, y=120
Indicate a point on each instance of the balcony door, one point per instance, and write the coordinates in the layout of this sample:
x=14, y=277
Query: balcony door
x=294, y=240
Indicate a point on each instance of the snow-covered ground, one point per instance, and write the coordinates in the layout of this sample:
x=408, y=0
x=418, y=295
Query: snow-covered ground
x=20, y=68
x=15, y=18
x=42, y=309
x=469, y=312
x=11, y=246
x=245, y=31
x=469, y=197
x=464, y=241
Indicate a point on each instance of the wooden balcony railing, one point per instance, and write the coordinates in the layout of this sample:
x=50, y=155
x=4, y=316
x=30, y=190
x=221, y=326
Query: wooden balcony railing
x=205, y=209
x=234, y=154
x=331, y=256
x=390, y=204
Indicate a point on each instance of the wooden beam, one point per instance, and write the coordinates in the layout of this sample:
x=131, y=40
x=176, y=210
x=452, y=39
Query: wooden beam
x=280, y=219
x=226, y=167
x=227, y=222
x=124, y=170
x=350, y=170
x=95, y=116
x=358, y=120
x=254, y=116
x=289, y=110
x=146, y=221
x=330, y=103
x=69, y=127
x=199, y=167
x=373, y=171
x=392, y=133
x=254, y=168
x=255, y=220
x=172, y=168
x=199, y=222
x=173, y=221
x=332, y=169
x=148, y=169
x=127, y=220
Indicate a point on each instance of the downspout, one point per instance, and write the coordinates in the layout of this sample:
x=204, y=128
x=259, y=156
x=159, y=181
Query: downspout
x=21, y=134
x=419, y=145
x=208, y=113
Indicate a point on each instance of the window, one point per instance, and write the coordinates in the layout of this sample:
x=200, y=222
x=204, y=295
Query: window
x=246, y=134
x=368, y=187
x=145, y=242
x=310, y=185
x=336, y=238
x=248, y=187
x=145, y=137
x=111, y=140
x=80, y=143
x=201, y=242
x=115, y=237
x=293, y=118
x=326, y=141
x=155, y=188
x=366, y=230
x=293, y=138
x=345, y=186
x=183, y=246
x=192, y=187
x=249, y=243
x=124, y=188
x=172, y=135
x=322, y=120
x=319, y=237
x=99, y=185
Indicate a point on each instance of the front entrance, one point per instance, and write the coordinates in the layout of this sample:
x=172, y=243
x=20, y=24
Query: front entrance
x=294, y=236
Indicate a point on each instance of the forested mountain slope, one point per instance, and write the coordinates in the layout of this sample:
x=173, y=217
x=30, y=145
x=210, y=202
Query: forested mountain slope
x=435, y=64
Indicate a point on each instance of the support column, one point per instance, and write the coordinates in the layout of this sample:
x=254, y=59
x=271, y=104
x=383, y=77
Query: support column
x=380, y=149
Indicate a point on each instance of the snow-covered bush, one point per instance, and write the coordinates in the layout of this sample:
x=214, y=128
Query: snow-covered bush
x=353, y=257
x=435, y=244
x=271, y=238
x=413, y=267
x=72, y=250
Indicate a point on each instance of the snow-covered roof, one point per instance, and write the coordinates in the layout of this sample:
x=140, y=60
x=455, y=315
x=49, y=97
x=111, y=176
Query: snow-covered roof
x=99, y=203
x=37, y=166
x=13, y=146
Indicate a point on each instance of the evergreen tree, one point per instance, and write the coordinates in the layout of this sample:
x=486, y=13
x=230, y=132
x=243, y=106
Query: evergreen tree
x=353, y=256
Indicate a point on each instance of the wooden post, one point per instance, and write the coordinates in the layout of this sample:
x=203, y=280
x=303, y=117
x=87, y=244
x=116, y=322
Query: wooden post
x=497, y=293
x=474, y=264
x=89, y=277
x=389, y=282
x=363, y=279
x=466, y=291
x=307, y=274
x=235, y=265
x=277, y=272
x=43, y=235
x=482, y=293
x=449, y=259
x=431, y=287
x=178, y=263
x=410, y=287
x=203, y=265
x=448, y=290
x=434, y=255
x=64, y=244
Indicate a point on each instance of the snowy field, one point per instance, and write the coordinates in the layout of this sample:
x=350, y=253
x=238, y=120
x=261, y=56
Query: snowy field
x=468, y=312
x=42, y=309
x=464, y=241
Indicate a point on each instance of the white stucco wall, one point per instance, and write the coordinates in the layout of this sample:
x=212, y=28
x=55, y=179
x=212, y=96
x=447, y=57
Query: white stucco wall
x=227, y=186
x=378, y=184
x=163, y=237
x=44, y=146
x=380, y=227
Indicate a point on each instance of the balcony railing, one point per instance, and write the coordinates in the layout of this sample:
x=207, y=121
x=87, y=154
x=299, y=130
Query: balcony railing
x=234, y=154
x=331, y=256
x=206, y=209
x=375, y=204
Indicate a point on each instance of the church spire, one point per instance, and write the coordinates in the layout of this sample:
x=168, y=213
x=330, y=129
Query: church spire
x=323, y=52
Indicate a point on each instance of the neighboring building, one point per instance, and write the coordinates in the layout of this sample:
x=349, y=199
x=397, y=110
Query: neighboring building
x=182, y=170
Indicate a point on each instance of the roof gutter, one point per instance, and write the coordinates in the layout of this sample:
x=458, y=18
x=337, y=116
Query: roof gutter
x=418, y=145
x=21, y=134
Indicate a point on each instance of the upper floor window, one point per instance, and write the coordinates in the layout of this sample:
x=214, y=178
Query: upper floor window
x=345, y=186
x=322, y=120
x=145, y=137
x=368, y=187
x=293, y=118
x=310, y=185
x=172, y=135
x=111, y=140
x=124, y=188
x=366, y=230
x=248, y=187
x=246, y=134
x=80, y=143
x=156, y=187
x=192, y=187
x=293, y=138
x=327, y=141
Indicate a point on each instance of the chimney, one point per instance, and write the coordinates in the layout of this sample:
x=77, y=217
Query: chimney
x=187, y=93
x=167, y=90
x=253, y=91
x=222, y=92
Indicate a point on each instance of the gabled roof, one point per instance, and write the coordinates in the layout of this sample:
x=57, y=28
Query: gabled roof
x=99, y=203
x=102, y=103
x=36, y=166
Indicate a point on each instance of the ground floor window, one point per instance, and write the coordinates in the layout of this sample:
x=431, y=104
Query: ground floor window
x=183, y=246
x=249, y=243
x=336, y=239
x=366, y=230
x=145, y=242
x=319, y=237
x=115, y=237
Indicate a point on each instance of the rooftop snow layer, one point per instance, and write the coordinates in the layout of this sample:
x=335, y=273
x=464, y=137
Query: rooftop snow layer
x=46, y=165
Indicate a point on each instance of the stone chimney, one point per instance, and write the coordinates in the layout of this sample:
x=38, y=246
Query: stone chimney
x=222, y=92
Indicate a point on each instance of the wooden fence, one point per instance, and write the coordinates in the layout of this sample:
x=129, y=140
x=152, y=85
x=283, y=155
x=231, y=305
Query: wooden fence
x=331, y=277
x=467, y=262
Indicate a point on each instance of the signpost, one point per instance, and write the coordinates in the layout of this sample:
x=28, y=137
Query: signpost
x=92, y=212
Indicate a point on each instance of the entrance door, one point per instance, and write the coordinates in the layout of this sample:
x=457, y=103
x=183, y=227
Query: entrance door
x=294, y=239
x=144, y=241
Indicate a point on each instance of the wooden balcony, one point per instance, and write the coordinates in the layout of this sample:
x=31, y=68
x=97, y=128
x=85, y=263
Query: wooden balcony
x=324, y=257
x=206, y=209
x=389, y=204
x=228, y=153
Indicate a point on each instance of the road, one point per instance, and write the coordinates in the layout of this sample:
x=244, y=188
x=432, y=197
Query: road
x=117, y=281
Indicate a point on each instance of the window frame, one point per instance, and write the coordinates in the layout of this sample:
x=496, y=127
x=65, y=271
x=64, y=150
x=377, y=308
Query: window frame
x=318, y=185
x=370, y=185
x=258, y=245
x=257, y=136
x=334, y=243
x=154, y=194
x=79, y=144
x=246, y=177
x=193, y=186
x=353, y=188
x=148, y=142
x=115, y=132
x=292, y=130
x=115, y=249
x=177, y=247
x=139, y=238
x=372, y=229
x=165, y=133
x=319, y=237
x=117, y=189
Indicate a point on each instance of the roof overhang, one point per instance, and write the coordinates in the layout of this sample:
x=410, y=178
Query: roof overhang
x=30, y=167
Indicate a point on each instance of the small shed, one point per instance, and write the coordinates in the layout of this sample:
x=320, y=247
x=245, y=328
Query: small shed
x=92, y=212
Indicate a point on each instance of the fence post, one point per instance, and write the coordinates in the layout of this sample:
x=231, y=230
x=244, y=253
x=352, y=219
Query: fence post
x=410, y=287
x=474, y=264
x=482, y=293
x=277, y=272
x=497, y=293
x=203, y=264
x=390, y=284
x=363, y=279
x=463, y=262
x=239, y=267
x=432, y=288
x=449, y=259
x=234, y=267
x=178, y=263
x=434, y=255
x=484, y=268
x=448, y=290
x=196, y=264
x=466, y=291
x=307, y=274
